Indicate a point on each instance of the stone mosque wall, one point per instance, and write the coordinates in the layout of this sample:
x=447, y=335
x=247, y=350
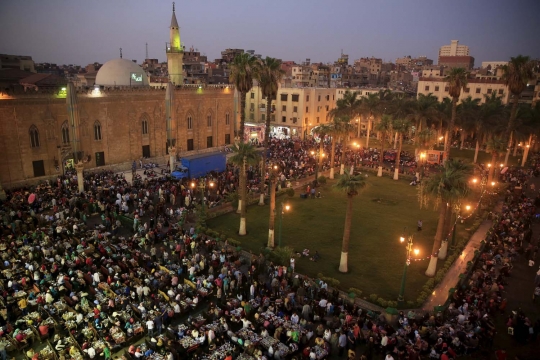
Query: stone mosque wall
x=117, y=127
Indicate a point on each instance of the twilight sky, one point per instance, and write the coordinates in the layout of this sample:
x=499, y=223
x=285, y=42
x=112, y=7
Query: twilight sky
x=81, y=32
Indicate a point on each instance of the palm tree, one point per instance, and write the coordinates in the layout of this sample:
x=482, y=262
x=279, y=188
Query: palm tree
x=338, y=128
x=440, y=188
x=351, y=185
x=443, y=112
x=384, y=127
x=496, y=146
x=423, y=110
x=457, y=80
x=401, y=126
x=322, y=131
x=271, y=220
x=516, y=75
x=242, y=73
x=268, y=73
x=244, y=154
x=370, y=106
x=349, y=106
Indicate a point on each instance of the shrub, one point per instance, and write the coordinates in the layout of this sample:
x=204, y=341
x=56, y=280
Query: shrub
x=233, y=242
x=282, y=255
x=290, y=192
x=355, y=291
x=321, y=180
x=331, y=281
x=382, y=302
x=373, y=297
x=410, y=304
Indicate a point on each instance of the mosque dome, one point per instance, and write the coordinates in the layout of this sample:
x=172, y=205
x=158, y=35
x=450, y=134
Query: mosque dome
x=121, y=72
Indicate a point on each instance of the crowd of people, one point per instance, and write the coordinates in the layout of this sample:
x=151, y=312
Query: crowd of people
x=79, y=281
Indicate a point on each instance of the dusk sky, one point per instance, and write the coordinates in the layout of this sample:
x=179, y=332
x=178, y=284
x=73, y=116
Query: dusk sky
x=81, y=32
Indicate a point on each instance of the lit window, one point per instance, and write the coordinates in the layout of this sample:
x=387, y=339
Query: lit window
x=65, y=133
x=189, y=122
x=145, y=127
x=34, y=136
x=97, y=131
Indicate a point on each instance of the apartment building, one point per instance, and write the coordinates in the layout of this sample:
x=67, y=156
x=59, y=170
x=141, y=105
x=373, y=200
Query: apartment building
x=295, y=111
x=454, y=49
x=477, y=88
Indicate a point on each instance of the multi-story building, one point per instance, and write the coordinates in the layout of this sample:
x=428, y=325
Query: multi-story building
x=24, y=63
x=465, y=61
x=295, y=111
x=454, y=49
x=476, y=88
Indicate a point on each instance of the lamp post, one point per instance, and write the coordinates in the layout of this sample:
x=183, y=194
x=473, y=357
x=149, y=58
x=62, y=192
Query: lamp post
x=409, y=245
x=422, y=165
x=457, y=217
x=202, y=189
x=282, y=209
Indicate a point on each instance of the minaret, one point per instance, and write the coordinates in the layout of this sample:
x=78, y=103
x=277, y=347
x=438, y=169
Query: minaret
x=175, y=53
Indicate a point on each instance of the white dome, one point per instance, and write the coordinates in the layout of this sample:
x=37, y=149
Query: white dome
x=121, y=72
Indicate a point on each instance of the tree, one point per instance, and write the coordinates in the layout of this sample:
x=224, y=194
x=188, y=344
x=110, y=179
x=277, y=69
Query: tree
x=516, y=76
x=384, y=127
x=349, y=106
x=401, y=126
x=338, y=128
x=440, y=188
x=423, y=110
x=443, y=112
x=242, y=73
x=351, y=185
x=244, y=154
x=457, y=80
x=496, y=146
x=370, y=106
x=322, y=131
x=268, y=73
x=271, y=220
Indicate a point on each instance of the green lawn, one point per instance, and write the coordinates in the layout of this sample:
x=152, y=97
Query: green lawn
x=376, y=257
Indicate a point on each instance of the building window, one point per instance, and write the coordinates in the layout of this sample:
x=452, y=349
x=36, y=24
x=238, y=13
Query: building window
x=307, y=98
x=97, y=131
x=283, y=97
x=467, y=90
x=294, y=120
x=318, y=120
x=209, y=120
x=426, y=88
x=283, y=119
x=501, y=91
x=190, y=145
x=227, y=139
x=145, y=127
x=295, y=97
x=319, y=98
x=34, y=136
x=478, y=90
x=251, y=116
x=436, y=88
x=263, y=117
x=284, y=108
x=295, y=109
x=446, y=89
x=272, y=117
x=209, y=142
x=189, y=122
x=307, y=109
x=327, y=97
x=227, y=119
x=306, y=121
x=253, y=95
x=65, y=133
x=318, y=109
x=489, y=91
x=327, y=107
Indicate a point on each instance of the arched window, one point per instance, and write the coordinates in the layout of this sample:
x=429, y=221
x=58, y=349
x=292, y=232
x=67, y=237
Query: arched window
x=145, y=127
x=189, y=122
x=227, y=119
x=97, y=130
x=209, y=120
x=34, y=136
x=65, y=133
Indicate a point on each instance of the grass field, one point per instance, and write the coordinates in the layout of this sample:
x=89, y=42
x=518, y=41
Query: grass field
x=382, y=211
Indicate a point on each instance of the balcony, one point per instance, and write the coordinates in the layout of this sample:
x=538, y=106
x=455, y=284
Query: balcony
x=174, y=50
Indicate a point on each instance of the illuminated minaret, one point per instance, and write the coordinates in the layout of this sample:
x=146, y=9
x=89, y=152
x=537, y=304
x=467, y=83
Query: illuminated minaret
x=175, y=53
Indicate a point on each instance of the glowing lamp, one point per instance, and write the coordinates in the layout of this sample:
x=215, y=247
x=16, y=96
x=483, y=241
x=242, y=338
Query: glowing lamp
x=192, y=184
x=287, y=207
x=475, y=180
x=489, y=165
x=416, y=252
x=468, y=207
x=401, y=238
x=493, y=183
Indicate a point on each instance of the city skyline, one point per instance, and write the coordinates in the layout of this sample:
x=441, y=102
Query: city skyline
x=63, y=32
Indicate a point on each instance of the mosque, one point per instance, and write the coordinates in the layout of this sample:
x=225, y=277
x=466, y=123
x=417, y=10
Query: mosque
x=121, y=119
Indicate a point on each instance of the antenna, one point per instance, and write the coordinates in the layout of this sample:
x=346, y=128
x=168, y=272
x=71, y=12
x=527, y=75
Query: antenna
x=147, y=50
x=120, y=53
x=173, y=6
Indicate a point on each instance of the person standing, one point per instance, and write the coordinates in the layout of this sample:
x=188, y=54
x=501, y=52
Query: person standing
x=419, y=224
x=342, y=343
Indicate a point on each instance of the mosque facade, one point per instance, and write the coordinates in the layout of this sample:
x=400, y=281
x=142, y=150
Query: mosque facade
x=120, y=120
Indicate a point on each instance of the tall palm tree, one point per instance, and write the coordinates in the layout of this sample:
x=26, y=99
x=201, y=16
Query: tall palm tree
x=268, y=73
x=384, y=127
x=370, y=107
x=322, y=131
x=401, y=126
x=351, y=185
x=496, y=146
x=451, y=182
x=516, y=75
x=349, y=106
x=443, y=112
x=338, y=128
x=423, y=110
x=457, y=80
x=244, y=154
x=242, y=74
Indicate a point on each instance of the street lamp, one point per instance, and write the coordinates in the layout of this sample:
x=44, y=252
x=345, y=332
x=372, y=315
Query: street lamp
x=318, y=157
x=202, y=188
x=410, y=250
x=458, y=217
x=283, y=207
